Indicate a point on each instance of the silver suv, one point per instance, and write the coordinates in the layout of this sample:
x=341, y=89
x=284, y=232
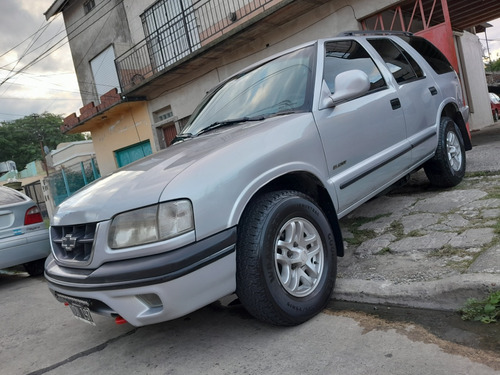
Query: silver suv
x=247, y=198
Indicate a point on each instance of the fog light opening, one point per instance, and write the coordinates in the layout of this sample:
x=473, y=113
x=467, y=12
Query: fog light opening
x=151, y=300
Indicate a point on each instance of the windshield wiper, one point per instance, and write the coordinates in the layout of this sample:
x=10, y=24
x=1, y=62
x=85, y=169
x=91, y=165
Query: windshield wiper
x=181, y=137
x=219, y=124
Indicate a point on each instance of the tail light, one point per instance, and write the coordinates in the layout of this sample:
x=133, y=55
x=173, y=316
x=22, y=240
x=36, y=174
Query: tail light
x=33, y=216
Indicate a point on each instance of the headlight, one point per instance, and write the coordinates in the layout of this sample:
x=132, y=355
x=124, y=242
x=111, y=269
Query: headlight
x=151, y=224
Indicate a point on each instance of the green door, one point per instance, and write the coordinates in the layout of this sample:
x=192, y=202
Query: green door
x=132, y=153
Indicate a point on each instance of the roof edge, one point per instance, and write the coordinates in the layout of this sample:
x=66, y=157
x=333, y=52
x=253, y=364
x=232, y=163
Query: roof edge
x=56, y=7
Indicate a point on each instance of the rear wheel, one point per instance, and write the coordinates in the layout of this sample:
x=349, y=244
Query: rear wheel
x=447, y=167
x=35, y=268
x=286, y=259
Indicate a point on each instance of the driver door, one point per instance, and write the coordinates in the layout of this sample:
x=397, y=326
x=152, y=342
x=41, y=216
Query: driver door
x=364, y=138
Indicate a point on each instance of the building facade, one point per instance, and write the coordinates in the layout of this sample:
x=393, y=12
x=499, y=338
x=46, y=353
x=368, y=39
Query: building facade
x=144, y=65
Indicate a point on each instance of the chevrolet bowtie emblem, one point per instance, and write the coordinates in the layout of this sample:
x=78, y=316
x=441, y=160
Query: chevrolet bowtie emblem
x=69, y=242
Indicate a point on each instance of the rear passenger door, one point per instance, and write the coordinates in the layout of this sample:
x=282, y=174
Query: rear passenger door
x=364, y=138
x=419, y=95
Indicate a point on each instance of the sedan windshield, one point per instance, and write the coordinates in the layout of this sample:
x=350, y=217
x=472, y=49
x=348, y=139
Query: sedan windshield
x=279, y=86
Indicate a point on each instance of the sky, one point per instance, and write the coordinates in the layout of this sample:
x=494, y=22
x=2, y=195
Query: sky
x=493, y=36
x=50, y=85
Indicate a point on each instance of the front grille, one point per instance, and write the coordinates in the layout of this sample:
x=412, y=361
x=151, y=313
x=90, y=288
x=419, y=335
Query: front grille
x=73, y=243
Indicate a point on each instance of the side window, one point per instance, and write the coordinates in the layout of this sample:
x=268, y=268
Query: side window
x=344, y=55
x=431, y=54
x=402, y=66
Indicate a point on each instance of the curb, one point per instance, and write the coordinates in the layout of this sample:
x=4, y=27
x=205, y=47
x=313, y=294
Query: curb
x=446, y=294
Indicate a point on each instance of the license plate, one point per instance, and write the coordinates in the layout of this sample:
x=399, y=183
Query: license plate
x=79, y=308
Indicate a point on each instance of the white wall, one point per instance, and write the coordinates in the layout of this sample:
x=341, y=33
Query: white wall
x=472, y=73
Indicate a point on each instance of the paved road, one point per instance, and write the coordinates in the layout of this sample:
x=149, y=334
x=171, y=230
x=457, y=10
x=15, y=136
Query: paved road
x=40, y=336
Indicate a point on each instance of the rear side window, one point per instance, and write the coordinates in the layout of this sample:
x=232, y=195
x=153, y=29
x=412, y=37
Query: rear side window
x=10, y=196
x=436, y=59
x=341, y=56
x=402, y=66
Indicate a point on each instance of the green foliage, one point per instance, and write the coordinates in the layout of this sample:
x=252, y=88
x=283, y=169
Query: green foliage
x=485, y=311
x=20, y=139
x=493, y=66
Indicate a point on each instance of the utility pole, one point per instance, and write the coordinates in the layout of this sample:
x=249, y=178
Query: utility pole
x=40, y=138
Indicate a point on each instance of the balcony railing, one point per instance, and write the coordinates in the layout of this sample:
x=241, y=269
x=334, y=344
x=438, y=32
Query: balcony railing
x=186, y=26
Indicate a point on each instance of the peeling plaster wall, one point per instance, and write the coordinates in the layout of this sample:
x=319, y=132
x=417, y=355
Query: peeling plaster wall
x=106, y=25
x=125, y=129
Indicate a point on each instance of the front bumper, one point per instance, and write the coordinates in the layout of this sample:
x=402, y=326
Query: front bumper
x=183, y=280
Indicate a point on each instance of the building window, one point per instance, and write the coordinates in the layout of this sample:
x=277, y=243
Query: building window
x=164, y=116
x=88, y=6
x=104, y=71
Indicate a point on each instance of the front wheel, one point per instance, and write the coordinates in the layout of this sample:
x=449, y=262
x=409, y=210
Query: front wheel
x=447, y=167
x=286, y=259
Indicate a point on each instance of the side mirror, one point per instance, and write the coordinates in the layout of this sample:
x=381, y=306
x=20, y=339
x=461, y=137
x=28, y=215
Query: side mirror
x=348, y=85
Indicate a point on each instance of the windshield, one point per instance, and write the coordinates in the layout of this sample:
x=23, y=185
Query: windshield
x=278, y=86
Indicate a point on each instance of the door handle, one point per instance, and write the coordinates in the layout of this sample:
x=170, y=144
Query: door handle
x=433, y=90
x=395, y=104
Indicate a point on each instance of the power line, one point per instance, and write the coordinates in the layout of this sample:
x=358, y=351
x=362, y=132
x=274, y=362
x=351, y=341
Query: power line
x=70, y=36
x=20, y=43
x=79, y=27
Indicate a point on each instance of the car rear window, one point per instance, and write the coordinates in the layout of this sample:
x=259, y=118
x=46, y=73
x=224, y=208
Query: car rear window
x=436, y=59
x=9, y=196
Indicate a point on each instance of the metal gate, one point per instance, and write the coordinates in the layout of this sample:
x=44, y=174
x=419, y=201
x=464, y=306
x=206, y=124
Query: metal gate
x=35, y=192
x=429, y=19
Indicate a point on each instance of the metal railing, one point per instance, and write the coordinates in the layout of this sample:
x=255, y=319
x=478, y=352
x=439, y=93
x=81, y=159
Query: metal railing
x=177, y=28
x=65, y=182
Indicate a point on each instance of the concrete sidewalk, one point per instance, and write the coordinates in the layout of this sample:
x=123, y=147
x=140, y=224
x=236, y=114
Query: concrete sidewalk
x=423, y=247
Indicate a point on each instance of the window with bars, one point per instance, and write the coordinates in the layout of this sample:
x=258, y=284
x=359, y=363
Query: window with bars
x=88, y=6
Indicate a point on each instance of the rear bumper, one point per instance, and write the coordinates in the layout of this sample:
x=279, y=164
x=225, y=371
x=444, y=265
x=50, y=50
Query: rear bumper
x=25, y=248
x=182, y=281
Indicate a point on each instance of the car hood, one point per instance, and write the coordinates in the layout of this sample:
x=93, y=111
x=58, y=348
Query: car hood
x=142, y=183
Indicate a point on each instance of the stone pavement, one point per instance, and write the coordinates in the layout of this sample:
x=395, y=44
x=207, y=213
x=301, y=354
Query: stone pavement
x=423, y=247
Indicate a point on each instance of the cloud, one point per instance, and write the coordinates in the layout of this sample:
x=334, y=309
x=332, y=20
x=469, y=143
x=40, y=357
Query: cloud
x=491, y=40
x=50, y=84
x=12, y=18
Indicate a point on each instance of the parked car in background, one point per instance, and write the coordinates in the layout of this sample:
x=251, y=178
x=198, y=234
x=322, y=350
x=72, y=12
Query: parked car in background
x=495, y=105
x=24, y=237
x=247, y=198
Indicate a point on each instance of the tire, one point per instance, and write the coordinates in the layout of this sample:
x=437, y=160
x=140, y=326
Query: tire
x=278, y=287
x=447, y=167
x=495, y=116
x=35, y=268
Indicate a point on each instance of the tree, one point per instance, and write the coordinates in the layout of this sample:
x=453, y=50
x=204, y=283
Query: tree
x=493, y=66
x=21, y=139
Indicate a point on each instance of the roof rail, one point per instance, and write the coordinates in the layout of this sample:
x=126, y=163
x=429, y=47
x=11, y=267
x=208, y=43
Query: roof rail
x=374, y=32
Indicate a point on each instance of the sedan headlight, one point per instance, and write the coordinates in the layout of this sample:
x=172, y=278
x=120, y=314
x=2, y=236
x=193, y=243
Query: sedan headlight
x=151, y=224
